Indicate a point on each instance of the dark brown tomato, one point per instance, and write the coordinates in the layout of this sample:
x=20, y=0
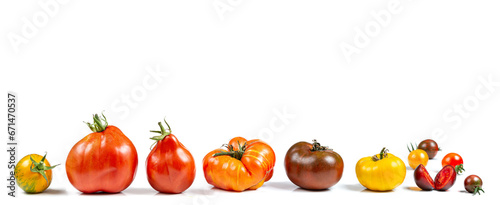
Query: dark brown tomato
x=429, y=146
x=315, y=169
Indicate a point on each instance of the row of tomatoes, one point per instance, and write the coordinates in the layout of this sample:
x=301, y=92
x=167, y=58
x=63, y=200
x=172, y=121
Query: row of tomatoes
x=106, y=161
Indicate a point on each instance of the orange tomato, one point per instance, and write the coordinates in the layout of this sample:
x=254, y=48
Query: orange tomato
x=240, y=166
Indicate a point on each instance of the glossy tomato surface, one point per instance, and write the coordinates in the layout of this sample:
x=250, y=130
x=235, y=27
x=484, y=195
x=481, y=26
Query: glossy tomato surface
x=308, y=169
x=238, y=169
x=30, y=181
x=473, y=184
x=452, y=159
x=430, y=146
x=104, y=161
x=417, y=157
x=381, y=172
x=423, y=179
x=170, y=166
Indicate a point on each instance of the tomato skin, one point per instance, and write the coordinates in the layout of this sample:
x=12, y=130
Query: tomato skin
x=423, y=178
x=473, y=184
x=429, y=146
x=102, y=162
x=382, y=175
x=249, y=172
x=452, y=159
x=417, y=157
x=313, y=170
x=32, y=182
x=170, y=166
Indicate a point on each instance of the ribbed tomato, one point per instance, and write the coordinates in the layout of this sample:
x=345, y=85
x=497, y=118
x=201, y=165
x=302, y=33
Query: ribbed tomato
x=240, y=166
x=169, y=166
x=103, y=161
x=381, y=172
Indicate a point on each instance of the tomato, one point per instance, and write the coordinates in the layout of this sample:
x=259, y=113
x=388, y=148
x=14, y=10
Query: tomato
x=417, y=157
x=454, y=160
x=423, y=179
x=237, y=168
x=33, y=173
x=445, y=178
x=381, y=172
x=312, y=166
x=169, y=166
x=474, y=184
x=429, y=146
x=103, y=161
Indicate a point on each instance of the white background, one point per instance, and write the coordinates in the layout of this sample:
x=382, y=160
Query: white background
x=234, y=73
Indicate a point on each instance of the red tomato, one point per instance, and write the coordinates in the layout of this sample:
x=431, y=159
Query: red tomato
x=169, y=166
x=454, y=160
x=237, y=168
x=103, y=161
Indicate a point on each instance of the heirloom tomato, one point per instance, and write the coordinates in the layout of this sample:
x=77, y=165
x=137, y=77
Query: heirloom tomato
x=417, y=157
x=473, y=184
x=33, y=173
x=429, y=146
x=454, y=160
x=103, y=161
x=381, y=172
x=312, y=166
x=169, y=166
x=241, y=165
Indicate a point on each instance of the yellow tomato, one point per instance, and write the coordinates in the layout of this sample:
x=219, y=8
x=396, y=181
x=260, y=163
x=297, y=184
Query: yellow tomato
x=33, y=173
x=381, y=172
x=417, y=157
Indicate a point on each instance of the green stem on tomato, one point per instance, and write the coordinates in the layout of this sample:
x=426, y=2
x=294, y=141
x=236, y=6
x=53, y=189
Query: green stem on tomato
x=163, y=133
x=40, y=167
x=100, y=123
x=459, y=169
x=237, y=154
x=478, y=190
x=382, y=155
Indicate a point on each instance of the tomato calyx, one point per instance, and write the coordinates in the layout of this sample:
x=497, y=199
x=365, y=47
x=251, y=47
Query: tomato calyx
x=477, y=190
x=39, y=167
x=459, y=169
x=163, y=133
x=382, y=155
x=412, y=148
x=100, y=123
x=317, y=146
x=237, y=154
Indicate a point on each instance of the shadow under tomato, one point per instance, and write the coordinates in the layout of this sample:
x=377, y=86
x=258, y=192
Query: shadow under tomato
x=288, y=186
x=414, y=188
x=310, y=190
x=102, y=194
x=201, y=191
x=55, y=191
x=355, y=187
x=140, y=191
x=371, y=191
